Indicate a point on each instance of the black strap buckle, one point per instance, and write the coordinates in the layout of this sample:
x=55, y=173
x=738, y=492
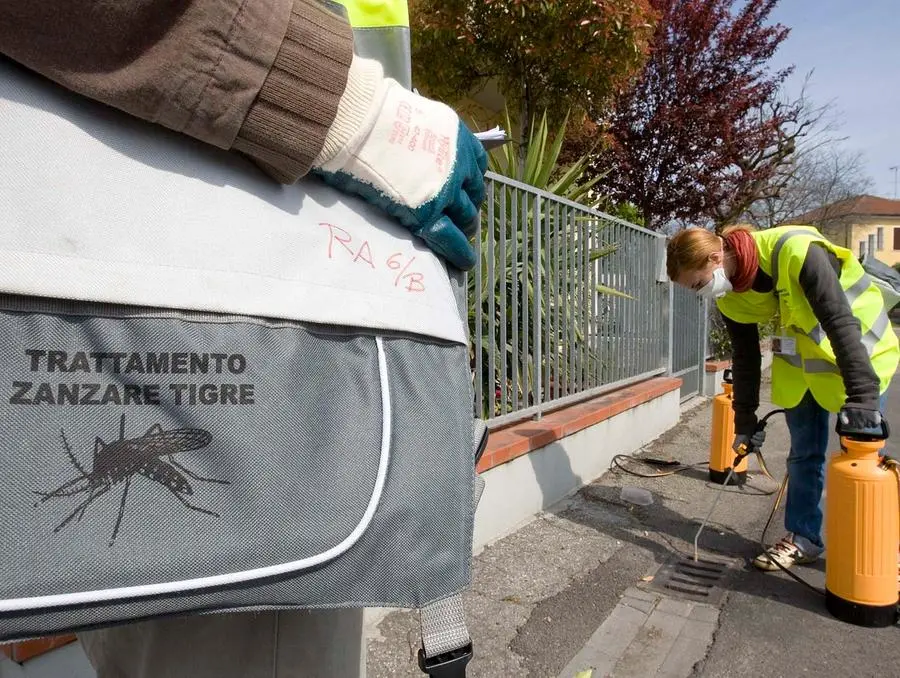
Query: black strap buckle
x=448, y=665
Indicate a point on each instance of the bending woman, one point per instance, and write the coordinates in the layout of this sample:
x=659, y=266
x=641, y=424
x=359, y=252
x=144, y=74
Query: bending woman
x=837, y=351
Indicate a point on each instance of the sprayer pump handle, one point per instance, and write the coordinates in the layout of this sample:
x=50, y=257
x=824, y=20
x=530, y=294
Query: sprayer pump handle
x=866, y=434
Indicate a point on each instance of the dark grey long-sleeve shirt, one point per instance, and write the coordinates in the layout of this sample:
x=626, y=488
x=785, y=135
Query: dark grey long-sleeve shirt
x=819, y=278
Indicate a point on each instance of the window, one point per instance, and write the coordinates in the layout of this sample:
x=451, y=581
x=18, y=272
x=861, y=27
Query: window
x=897, y=238
x=862, y=248
x=881, y=238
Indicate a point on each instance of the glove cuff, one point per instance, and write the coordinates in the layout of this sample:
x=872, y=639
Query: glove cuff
x=356, y=113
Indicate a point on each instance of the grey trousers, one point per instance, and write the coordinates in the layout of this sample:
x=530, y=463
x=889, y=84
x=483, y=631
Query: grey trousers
x=293, y=644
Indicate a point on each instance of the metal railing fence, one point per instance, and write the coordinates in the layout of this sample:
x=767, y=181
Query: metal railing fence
x=689, y=338
x=565, y=303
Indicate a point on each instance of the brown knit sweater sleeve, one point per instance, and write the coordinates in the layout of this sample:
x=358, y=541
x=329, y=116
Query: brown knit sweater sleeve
x=287, y=124
x=263, y=77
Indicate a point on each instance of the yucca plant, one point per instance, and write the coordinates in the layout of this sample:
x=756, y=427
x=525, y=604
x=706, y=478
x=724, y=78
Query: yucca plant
x=539, y=167
x=564, y=293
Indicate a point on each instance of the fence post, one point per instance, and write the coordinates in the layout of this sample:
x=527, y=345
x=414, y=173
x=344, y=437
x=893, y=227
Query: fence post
x=701, y=349
x=479, y=320
x=537, y=316
x=664, y=305
x=706, y=312
x=670, y=358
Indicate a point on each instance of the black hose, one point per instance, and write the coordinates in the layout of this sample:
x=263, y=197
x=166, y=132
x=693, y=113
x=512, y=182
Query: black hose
x=765, y=550
x=781, y=491
x=677, y=466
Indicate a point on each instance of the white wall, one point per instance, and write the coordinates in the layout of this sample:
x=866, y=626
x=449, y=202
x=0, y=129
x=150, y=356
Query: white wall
x=516, y=491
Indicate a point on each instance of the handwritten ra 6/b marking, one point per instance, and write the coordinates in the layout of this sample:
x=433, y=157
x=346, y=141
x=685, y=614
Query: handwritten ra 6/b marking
x=361, y=253
x=394, y=262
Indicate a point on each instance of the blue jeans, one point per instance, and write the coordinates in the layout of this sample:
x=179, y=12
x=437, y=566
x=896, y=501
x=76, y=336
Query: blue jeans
x=809, y=426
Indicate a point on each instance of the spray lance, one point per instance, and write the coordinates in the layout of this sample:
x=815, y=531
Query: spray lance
x=741, y=454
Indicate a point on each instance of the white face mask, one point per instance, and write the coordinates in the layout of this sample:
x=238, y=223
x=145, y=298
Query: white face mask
x=718, y=286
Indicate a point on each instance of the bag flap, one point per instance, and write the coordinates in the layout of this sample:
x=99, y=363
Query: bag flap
x=878, y=269
x=99, y=206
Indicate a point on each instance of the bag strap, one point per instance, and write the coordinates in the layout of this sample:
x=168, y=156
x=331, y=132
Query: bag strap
x=446, y=645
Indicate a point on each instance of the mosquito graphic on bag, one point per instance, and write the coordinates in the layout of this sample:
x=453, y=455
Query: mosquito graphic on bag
x=150, y=455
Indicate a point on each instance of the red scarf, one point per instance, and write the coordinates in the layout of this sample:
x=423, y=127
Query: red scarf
x=746, y=259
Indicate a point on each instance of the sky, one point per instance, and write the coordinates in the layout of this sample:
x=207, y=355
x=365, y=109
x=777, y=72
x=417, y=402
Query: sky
x=853, y=46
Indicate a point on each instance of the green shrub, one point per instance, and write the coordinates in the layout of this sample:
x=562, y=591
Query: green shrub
x=719, y=343
x=541, y=169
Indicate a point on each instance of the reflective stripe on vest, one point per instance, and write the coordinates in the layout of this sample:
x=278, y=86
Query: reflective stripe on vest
x=381, y=32
x=869, y=338
x=777, y=250
x=810, y=365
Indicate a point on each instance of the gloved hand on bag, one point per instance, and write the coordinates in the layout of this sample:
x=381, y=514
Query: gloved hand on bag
x=859, y=419
x=409, y=156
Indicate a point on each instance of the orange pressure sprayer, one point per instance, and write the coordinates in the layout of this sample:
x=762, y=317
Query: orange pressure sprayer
x=721, y=455
x=862, y=526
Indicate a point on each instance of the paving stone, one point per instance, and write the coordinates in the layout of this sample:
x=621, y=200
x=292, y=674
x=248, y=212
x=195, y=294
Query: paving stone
x=688, y=649
x=705, y=613
x=644, y=606
x=608, y=642
x=681, y=608
x=650, y=647
x=642, y=595
x=698, y=629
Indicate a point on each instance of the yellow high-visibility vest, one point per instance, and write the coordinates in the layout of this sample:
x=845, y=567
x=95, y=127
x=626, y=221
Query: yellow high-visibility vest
x=782, y=252
x=381, y=31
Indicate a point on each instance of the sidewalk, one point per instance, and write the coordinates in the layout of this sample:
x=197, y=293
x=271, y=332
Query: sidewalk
x=583, y=586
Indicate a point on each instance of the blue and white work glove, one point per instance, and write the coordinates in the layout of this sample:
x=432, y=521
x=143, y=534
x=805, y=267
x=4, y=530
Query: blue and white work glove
x=409, y=156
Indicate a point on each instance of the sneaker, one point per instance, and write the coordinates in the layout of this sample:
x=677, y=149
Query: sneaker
x=789, y=550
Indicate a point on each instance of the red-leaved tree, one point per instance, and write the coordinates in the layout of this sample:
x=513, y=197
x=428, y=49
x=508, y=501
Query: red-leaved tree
x=702, y=129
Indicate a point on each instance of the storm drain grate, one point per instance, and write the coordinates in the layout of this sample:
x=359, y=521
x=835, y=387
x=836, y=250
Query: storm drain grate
x=701, y=580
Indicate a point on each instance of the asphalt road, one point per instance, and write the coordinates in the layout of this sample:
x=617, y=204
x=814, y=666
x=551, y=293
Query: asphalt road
x=771, y=626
